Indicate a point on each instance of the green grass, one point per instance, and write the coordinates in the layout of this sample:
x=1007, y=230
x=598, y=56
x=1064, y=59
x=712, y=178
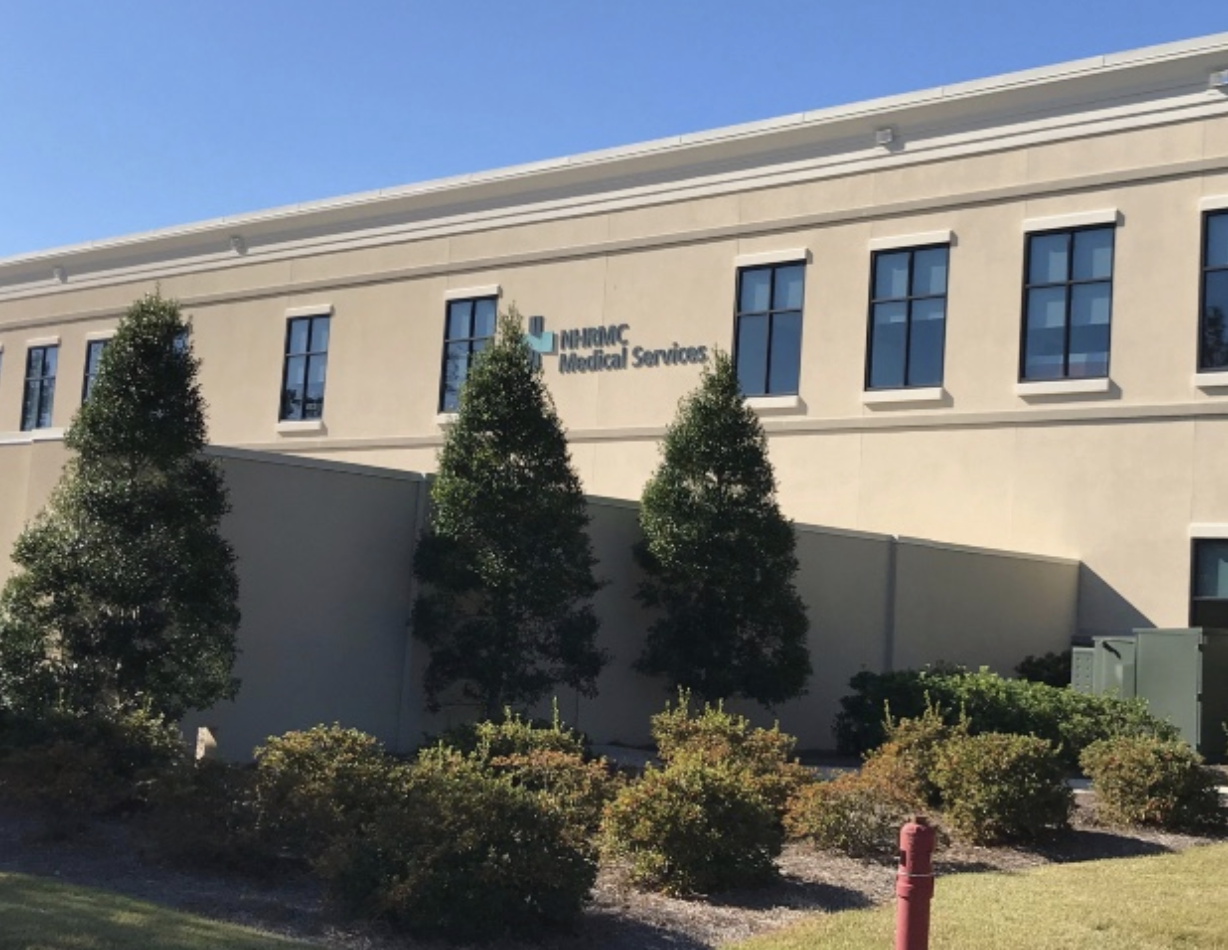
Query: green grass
x=1169, y=901
x=36, y=914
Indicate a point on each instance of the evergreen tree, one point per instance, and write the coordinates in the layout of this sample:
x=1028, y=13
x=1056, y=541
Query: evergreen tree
x=718, y=555
x=506, y=559
x=125, y=593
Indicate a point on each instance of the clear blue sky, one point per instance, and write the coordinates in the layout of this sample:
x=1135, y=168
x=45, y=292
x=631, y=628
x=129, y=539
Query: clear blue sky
x=124, y=115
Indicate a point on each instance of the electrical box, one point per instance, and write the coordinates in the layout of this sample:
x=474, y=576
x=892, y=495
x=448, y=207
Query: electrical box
x=1183, y=675
x=1081, y=661
x=1113, y=666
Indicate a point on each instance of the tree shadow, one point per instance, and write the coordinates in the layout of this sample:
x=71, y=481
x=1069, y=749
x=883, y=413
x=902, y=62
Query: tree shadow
x=1088, y=844
x=795, y=893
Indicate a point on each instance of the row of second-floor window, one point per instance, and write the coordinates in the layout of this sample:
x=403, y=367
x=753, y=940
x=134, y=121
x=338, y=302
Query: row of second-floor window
x=1065, y=327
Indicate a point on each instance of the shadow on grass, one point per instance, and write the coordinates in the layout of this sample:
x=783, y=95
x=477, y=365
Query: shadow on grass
x=1088, y=844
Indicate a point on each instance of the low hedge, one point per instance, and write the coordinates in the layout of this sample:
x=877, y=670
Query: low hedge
x=991, y=703
x=1144, y=781
x=997, y=787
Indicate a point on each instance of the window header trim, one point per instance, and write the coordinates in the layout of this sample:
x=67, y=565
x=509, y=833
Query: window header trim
x=464, y=293
x=793, y=255
x=1079, y=219
x=921, y=239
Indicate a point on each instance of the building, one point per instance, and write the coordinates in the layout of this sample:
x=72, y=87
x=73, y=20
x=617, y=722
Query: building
x=990, y=315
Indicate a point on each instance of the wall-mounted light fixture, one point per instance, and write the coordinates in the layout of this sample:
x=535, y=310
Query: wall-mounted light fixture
x=884, y=136
x=59, y=274
x=237, y=244
x=1219, y=80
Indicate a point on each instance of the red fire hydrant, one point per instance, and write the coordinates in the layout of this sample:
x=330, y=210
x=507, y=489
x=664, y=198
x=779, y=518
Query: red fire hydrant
x=914, y=886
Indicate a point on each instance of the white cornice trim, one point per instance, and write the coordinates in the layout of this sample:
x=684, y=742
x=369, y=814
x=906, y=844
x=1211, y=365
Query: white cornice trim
x=799, y=255
x=911, y=240
x=310, y=310
x=1076, y=93
x=942, y=148
x=1078, y=219
x=463, y=293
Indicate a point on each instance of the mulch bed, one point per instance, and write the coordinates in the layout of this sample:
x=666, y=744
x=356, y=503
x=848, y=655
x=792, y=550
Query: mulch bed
x=107, y=854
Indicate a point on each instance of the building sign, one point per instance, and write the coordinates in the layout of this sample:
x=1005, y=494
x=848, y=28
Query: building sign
x=598, y=349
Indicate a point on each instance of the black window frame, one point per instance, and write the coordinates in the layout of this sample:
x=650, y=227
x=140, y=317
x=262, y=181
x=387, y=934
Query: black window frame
x=1195, y=599
x=471, y=341
x=1204, y=271
x=87, y=382
x=45, y=400
x=309, y=355
x=1069, y=283
x=908, y=300
x=770, y=313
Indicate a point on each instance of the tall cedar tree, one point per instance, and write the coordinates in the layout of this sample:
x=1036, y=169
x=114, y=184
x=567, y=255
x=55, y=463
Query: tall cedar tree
x=125, y=594
x=506, y=559
x=718, y=555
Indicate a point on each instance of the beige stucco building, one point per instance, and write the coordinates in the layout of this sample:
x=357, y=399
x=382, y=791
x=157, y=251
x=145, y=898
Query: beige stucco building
x=989, y=315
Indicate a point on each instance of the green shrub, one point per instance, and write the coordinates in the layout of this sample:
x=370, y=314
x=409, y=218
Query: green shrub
x=462, y=851
x=314, y=786
x=991, y=703
x=1052, y=669
x=89, y=764
x=909, y=757
x=695, y=826
x=858, y=814
x=203, y=814
x=997, y=787
x=515, y=735
x=715, y=735
x=1143, y=781
x=577, y=790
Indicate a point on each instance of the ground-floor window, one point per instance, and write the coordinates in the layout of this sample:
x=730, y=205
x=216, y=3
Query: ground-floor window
x=1209, y=600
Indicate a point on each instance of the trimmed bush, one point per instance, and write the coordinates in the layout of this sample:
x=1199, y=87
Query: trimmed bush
x=1071, y=721
x=997, y=787
x=715, y=735
x=515, y=735
x=203, y=814
x=1142, y=781
x=694, y=827
x=315, y=786
x=463, y=852
x=909, y=757
x=93, y=764
x=577, y=790
x=857, y=814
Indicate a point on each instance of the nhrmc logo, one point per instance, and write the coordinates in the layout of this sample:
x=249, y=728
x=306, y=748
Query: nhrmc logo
x=595, y=349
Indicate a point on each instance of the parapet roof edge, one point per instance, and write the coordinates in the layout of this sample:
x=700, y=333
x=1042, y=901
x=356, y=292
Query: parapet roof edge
x=881, y=107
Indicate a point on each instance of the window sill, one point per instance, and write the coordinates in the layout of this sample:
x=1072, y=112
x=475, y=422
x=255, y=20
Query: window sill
x=1063, y=387
x=445, y=420
x=303, y=427
x=1218, y=380
x=928, y=395
x=45, y=435
x=773, y=405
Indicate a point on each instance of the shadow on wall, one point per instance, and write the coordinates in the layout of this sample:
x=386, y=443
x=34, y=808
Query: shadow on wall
x=1102, y=609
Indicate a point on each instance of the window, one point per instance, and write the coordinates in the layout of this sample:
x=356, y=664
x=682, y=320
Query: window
x=40, y=387
x=302, y=387
x=908, y=317
x=93, y=356
x=468, y=328
x=1209, y=603
x=1067, y=304
x=768, y=332
x=1213, y=335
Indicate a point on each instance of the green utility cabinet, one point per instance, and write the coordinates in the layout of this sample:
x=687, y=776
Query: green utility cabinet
x=1183, y=675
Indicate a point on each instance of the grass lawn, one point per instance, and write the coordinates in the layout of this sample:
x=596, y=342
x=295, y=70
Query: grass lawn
x=36, y=914
x=1173, y=900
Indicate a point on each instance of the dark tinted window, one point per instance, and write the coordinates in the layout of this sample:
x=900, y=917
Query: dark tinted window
x=768, y=329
